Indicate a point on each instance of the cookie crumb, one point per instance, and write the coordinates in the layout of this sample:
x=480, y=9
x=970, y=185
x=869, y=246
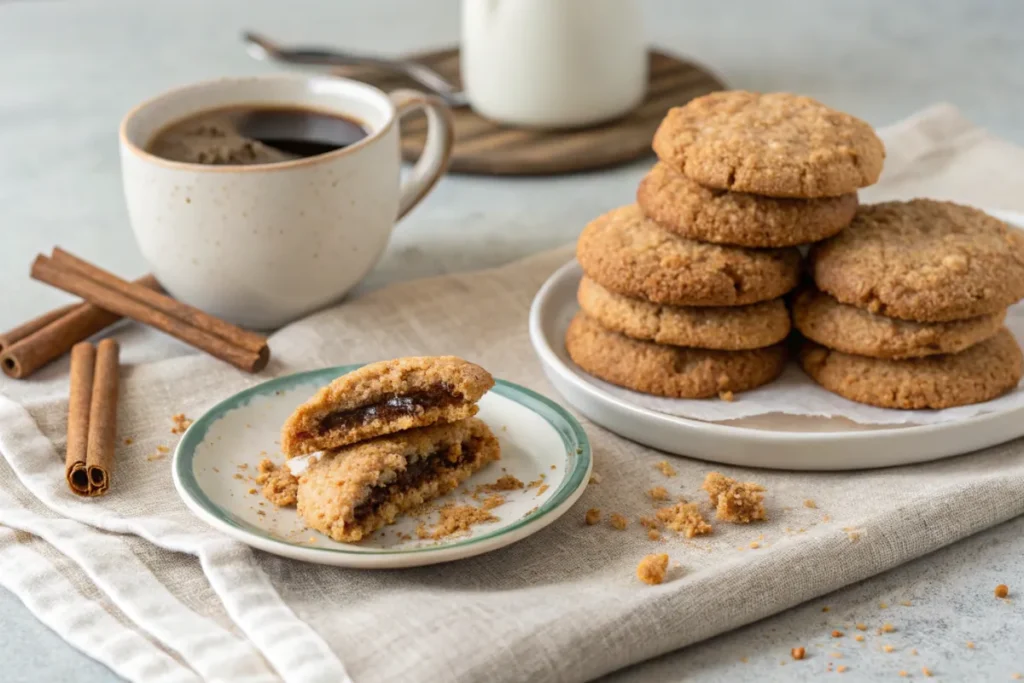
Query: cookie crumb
x=754, y=545
x=837, y=634
x=493, y=501
x=684, y=518
x=658, y=493
x=810, y=503
x=665, y=468
x=542, y=489
x=887, y=628
x=162, y=449
x=181, y=423
x=280, y=486
x=251, y=491
x=836, y=655
x=128, y=441
x=862, y=627
x=883, y=605
x=504, y=483
x=592, y=517
x=1002, y=590
x=726, y=396
x=859, y=638
x=595, y=478
x=902, y=673
x=840, y=668
x=455, y=519
x=970, y=644
x=654, y=534
x=906, y=603
x=735, y=502
x=797, y=653
x=888, y=648
x=536, y=482
x=926, y=671
x=618, y=521
x=652, y=568
x=1016, y=676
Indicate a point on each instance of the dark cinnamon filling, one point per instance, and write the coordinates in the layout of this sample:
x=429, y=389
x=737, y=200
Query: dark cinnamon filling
x=416, y=473
x=394, y=406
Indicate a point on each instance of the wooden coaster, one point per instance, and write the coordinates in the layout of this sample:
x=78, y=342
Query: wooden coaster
x=485, y=147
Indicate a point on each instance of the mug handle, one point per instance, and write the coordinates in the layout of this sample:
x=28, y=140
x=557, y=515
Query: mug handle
x=437, y=150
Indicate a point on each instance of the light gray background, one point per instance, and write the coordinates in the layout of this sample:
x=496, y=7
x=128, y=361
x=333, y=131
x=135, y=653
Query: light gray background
x=69, y=70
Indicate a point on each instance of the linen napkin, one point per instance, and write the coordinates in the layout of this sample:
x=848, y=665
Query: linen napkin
x=139, y=584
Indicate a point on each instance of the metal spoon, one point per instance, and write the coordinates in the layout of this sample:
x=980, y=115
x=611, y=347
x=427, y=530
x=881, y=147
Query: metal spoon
x=263, y=48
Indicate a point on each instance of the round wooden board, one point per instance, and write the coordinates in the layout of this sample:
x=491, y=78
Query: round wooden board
x=485, y=147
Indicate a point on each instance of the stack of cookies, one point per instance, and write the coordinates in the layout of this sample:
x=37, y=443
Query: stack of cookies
x=683, y=291
x=909, y=305
x=394, y=435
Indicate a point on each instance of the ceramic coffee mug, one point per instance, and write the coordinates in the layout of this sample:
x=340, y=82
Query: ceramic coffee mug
x=262, y=245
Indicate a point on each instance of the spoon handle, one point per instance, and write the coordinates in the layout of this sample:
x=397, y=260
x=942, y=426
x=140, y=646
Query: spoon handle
x=263, y=48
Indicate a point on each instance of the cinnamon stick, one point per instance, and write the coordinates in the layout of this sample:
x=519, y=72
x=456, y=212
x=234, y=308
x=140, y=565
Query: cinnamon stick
x=160, y=302
x=99, y=459
x=53, y=340
x=10, y=337
x=237, y=347
x=83, y=361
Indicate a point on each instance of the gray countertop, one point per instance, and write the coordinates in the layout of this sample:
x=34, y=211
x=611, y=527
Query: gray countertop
x=69, y=70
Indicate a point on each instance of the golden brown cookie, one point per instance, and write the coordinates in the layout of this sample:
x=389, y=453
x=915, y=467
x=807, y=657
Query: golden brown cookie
x=846, y=328
x=728, y=328
x=383, y=398
x=673, y=371
x=923, y=260
x=980, y=373
x=350, y=493
x=775, y=144
x=630, y=255
x=686, y=208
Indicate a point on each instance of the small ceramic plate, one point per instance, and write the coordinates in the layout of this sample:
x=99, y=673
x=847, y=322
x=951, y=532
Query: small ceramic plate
x=773, y=441
x=215, y=467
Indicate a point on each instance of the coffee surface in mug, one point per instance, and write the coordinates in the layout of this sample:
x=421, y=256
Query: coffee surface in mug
x=244, y=135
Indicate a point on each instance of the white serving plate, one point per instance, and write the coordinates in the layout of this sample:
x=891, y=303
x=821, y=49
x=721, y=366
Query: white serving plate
x=216, y=460
x=771, y=441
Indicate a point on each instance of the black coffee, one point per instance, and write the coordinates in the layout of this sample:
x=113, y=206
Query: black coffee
x=253, y=134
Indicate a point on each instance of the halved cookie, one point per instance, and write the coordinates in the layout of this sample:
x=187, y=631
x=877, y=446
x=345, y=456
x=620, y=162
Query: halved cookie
x=842, y=327
x=350, y=493
x=980, y=373
x=383, y=398
x=728, y=328
x=673, y=371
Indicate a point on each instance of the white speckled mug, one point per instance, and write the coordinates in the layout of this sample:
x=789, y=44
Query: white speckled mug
x=262, y=245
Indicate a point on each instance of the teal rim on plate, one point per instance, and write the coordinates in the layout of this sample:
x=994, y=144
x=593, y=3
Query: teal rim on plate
x=577, y=450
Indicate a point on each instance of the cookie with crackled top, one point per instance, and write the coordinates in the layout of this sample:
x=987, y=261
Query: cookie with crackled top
x=923, y=260
x=981, y=373
x=847, y=328
x=383, y=398
x=673, y=371
x=687, y=208
x=729, y=328
x=775, y=144
x=630, y=255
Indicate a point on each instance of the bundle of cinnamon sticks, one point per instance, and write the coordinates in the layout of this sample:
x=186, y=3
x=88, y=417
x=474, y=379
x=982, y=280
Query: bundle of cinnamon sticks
x=108, y=298
x=92, y=417
x=92, y=405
